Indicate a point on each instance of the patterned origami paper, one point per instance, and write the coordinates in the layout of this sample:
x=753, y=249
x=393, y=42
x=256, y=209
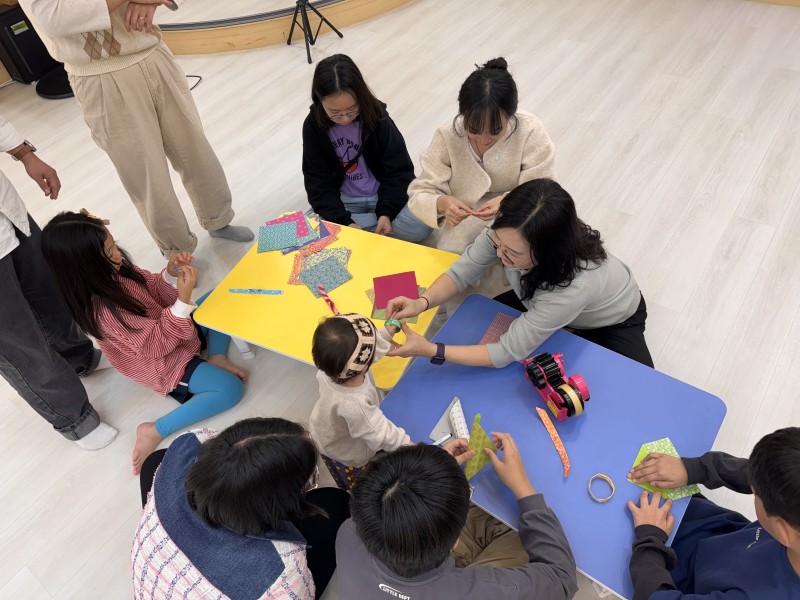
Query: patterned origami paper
x=295, y=217
x=663, y=446
x=324, y=240
x=499, y=326
x=275, y=237
x=301, y=262
x=330, y=273
x=555, y=438
x=478, y=440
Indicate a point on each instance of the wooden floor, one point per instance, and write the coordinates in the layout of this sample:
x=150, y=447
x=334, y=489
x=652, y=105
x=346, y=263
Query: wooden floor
x=677, y=127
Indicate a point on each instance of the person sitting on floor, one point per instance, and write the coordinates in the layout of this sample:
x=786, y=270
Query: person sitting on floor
x=356, y=167
x=718, y=553
x=413, y=532
x=236, y=515
x=143, y=323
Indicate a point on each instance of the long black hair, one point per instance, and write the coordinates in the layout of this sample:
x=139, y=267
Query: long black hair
x=253, y=476
x=73, y=245
x=337, y=74
x=488, y=94
x=544, y=214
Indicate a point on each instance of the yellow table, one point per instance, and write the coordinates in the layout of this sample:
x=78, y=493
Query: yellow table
x=286, y=323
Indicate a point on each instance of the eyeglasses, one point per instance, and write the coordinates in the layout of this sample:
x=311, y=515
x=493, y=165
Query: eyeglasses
x=343, y=116
x=497, y=247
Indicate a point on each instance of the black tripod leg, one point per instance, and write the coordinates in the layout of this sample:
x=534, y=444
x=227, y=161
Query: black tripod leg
x=307, y=32
x=323, y=20
x=294, y=22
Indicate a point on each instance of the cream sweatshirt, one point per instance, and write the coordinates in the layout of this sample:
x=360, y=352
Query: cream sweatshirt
x=86, y=38
x=347, y=422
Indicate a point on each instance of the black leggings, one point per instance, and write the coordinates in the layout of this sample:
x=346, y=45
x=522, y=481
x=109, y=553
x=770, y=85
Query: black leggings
x=320, y=532
x=626, y=338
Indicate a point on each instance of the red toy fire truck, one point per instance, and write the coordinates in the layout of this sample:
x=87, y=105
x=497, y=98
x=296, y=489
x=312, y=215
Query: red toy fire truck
x=564, y=396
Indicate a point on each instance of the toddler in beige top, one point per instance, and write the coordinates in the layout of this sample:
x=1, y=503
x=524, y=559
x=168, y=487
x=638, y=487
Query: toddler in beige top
x=347, y=422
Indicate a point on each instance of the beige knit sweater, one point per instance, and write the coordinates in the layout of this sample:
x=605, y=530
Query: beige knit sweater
x=450, y=168
x=89, y=41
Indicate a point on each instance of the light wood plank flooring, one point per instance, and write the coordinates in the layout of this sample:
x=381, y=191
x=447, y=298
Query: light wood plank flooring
x=677, y=126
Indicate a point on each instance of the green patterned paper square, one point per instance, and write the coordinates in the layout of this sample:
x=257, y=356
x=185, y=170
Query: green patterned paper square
x=478, y=440
x=663, y=446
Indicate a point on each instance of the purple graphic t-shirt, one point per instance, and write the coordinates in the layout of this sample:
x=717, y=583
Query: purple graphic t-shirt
x=359, y=180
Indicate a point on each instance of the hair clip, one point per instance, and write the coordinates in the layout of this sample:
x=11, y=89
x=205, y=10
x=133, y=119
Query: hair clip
x=86, y=213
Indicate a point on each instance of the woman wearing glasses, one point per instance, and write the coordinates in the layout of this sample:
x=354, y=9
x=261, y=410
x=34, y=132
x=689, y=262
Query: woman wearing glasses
x=560, y=274
x=236, y=514
x=355, y=163
x=486, y=151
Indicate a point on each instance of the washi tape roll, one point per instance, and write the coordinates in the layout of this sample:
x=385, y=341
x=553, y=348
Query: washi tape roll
x=605, y=478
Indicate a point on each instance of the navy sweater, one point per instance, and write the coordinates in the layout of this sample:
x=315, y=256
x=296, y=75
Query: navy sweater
x=748, y=564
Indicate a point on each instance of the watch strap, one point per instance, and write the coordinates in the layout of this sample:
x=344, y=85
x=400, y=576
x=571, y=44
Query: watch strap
x=26, y=149
x=438, y=359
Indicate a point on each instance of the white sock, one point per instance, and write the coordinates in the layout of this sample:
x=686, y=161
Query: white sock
x=100, y=437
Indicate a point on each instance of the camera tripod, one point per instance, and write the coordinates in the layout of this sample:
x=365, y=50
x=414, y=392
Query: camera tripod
x=301, y=9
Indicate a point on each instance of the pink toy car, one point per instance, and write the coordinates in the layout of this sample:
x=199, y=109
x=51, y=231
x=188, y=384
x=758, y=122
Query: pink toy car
x=564, y=396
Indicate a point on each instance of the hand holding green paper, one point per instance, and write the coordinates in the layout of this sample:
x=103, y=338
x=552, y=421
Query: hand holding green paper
x=659, y=469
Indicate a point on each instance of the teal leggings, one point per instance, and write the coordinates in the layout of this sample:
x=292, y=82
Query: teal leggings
x=214, y=390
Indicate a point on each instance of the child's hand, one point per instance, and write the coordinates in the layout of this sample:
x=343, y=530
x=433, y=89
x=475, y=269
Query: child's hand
x=510, y=469
x=458, y=448
x=178, y=260
x=650, y=513
x=415, y=345
x=661, y=471
x=187, y=278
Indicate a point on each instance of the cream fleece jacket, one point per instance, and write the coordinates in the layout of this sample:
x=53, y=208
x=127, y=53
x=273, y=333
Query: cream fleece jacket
x=450, y=168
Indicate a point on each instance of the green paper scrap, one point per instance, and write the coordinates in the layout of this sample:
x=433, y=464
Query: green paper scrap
x=663, y=446
x=478, y=440
x=380, y=313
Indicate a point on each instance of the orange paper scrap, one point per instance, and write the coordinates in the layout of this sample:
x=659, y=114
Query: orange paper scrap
x=551, y=429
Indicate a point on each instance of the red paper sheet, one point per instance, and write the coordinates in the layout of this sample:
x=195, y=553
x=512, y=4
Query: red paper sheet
x=392, y=286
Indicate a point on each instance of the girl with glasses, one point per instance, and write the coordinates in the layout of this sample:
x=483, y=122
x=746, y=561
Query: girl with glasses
x=560, y=275
x=356, y=166
x=486, y=151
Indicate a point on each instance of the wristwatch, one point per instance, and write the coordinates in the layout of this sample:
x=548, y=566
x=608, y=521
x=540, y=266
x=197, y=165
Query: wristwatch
x=26, y=149
x=439, y=358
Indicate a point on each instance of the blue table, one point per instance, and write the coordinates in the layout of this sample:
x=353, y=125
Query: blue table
x=630, y=405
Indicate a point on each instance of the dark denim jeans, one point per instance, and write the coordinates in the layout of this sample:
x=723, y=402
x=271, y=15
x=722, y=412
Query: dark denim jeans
x=41, y=347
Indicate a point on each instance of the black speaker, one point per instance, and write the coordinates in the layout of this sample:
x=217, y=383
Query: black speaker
x=21, y=50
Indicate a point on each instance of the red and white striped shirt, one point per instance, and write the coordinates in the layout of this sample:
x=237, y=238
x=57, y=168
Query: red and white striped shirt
x=159, y=345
